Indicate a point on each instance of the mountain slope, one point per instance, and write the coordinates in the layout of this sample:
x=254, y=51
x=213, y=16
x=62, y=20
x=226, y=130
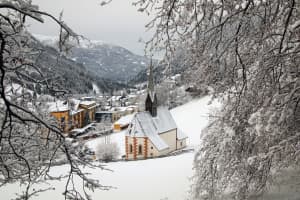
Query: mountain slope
x=110, y=61
x=67, y=74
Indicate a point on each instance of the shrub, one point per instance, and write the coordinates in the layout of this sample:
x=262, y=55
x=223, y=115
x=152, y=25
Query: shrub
x=107, y=152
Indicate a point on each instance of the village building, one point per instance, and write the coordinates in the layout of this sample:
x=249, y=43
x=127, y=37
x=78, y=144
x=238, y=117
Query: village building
x=109, y=116
x=153, y=132
x=123, y=122
x=73, y=113
x=89, y=108
x=61, y=111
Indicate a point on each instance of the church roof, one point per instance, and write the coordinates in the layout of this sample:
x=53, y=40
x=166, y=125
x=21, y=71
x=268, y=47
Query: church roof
x=164, y=120
x=144, y=125
x=58, y=106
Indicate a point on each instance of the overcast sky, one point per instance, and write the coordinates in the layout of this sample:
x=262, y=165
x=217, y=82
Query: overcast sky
x=118, y=23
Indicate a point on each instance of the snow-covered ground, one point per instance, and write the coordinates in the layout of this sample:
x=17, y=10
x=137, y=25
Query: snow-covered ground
x=154, y=179
x=193, y=117
x=151, y=179
x=118, y=138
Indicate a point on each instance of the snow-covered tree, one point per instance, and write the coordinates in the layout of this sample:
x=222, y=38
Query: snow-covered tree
x=30, y=143
x=248, y=52
x=107, y=151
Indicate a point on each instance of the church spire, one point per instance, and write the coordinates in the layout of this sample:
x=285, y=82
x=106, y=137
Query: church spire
x=151, y=100
x=150, y=79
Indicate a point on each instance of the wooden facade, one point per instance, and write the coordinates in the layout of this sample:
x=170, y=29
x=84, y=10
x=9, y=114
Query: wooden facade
x=69, y=119
x=63, y=119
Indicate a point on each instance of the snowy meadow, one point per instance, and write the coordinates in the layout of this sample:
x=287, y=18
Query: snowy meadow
x=160, y=178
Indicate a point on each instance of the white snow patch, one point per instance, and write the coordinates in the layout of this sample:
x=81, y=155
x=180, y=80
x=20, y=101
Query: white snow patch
x=96, y=88
x=192, y=117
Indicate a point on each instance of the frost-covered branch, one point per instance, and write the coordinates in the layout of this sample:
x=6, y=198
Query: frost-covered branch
x=247, y=52
x=30, y=142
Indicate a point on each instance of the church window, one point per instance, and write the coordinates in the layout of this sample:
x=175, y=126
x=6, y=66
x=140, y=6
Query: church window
x=140, y=149
x=130, y=148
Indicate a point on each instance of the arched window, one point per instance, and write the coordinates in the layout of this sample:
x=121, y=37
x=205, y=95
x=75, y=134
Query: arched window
x=130, y=148
x=140, y=149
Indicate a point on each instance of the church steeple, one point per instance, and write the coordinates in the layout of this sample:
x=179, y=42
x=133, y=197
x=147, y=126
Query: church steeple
x=150, y=78
x=151, y=100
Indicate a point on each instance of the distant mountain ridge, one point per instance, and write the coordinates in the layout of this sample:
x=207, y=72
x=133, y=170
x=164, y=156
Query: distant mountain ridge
x=106, y=60
x=68, y=74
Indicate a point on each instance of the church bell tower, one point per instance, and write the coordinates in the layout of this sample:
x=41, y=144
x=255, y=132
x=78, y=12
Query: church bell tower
x=151, y=99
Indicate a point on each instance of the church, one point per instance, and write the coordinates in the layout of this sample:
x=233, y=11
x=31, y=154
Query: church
x=153, y=132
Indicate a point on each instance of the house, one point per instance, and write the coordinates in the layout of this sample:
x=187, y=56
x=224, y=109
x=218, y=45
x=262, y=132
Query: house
x=153, y=132
x=107, y=116
x=119, y=111
x=125, y=117
x=132, y=109
x=73, y=113
x=123, y=122
x=89, y=108
x=77, y=118
x=60, y=110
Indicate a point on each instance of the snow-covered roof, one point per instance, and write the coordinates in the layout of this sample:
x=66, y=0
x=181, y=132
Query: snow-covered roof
x=87, y=103
x=74, y=103
x=129, y=109
x=132, y=95
x=105, y=112
x=58, y=106
x=116, y=98
x=164, y=120
x=81, y=130
x=181, y=135
x=87, y=97
x=125, y=119
x=121, y=109
x=73, y=112
x=144, y=125
x=132, y=106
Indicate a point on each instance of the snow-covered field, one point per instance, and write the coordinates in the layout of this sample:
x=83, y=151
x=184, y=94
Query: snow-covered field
x=193, y=117
x=152, y=179
x=118, y=138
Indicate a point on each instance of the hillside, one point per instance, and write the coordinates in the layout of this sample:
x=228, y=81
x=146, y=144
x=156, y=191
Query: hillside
x=163, y=70
x=106, y=60
x=67, y=74
x=113, y=62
